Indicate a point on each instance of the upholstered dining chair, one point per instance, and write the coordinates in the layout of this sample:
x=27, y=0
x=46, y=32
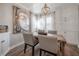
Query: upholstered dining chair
x=52, y=32
x=29, y=40
x=42, y=32
x=48, y=44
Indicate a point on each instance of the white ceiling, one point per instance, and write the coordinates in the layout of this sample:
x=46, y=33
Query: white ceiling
x=36, y=7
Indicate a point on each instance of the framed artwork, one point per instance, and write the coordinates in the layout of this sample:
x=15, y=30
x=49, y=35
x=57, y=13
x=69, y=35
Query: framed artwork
x=20, y=20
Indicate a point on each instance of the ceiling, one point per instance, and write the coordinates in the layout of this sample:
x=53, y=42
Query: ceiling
x=36, y=7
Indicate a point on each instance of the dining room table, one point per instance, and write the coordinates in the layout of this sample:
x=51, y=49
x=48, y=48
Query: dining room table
x=60, y=39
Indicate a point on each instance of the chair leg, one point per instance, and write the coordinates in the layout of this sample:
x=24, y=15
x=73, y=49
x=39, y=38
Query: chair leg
x=25, y=48
x=32, y=50
x=44, y=53
x=40, y=52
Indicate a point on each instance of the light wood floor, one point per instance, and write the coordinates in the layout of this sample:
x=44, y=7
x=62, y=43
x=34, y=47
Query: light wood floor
x=18, y=51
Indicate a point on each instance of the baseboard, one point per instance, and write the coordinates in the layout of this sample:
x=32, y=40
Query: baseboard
x=13, y=47
x=6, y=52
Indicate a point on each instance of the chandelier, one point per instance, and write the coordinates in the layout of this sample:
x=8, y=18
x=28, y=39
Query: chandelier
x=45, y=9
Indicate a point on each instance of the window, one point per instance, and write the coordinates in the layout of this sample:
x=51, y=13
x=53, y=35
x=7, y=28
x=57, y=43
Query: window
x=34, y=23
x=42, y=23
x=50, y=22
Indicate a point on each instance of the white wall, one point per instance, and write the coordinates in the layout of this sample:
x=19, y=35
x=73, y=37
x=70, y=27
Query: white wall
x=67, y=23
x=6, y=15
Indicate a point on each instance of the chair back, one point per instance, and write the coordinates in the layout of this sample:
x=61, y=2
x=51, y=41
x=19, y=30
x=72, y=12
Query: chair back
x=48, y=43
x=52, y=32
x=42, y=32
x=28, y=38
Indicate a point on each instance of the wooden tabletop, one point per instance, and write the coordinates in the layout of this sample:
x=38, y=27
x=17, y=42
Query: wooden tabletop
x=59, y=37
